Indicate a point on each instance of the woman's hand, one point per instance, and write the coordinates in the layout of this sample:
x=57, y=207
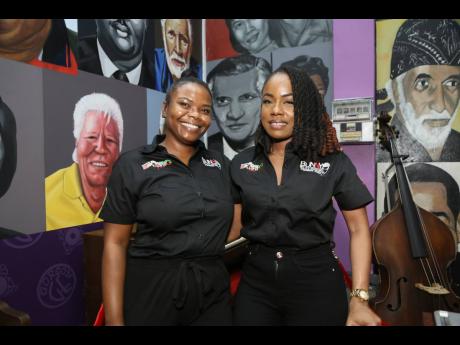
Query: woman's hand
x=360, y=314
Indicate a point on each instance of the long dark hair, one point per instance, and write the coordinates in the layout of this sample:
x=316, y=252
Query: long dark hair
x=313, y=134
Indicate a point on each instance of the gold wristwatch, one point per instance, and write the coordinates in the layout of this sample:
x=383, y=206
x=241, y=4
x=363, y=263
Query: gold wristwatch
x=362, y=294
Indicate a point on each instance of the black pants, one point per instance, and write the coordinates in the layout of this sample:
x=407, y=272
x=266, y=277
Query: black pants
x=281, y=287
x=177, y=291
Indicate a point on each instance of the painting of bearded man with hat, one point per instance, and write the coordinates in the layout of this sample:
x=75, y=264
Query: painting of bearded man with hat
x=424, y=90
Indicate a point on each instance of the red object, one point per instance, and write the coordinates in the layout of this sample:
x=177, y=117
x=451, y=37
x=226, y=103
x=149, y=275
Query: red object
x=100, y=318
x=71, y=63
x=346, y=277
x=235, y=278
x=218, y=45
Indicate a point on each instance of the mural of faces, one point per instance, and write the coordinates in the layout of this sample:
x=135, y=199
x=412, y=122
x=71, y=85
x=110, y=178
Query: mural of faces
x=315, y=68
x=97, y=148
x=422, y=90
x=177, y=38
x=250, y=35
x=433, y=189
x=237, y=105
x=300, y=32
x=428, y=100
x=122, y=40
x=236, y=84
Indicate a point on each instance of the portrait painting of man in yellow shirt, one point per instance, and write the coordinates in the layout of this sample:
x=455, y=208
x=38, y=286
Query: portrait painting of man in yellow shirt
x=75, y=194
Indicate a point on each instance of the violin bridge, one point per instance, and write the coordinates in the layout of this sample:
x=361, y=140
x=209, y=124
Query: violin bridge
x=435, y=289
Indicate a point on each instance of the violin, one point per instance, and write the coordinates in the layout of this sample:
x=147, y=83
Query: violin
x=412, y=249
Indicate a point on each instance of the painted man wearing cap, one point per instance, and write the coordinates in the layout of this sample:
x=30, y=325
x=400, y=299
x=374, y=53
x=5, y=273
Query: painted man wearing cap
x=424, y=86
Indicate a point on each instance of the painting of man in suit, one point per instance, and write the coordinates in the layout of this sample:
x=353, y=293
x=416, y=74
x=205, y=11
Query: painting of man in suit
x=117, y=51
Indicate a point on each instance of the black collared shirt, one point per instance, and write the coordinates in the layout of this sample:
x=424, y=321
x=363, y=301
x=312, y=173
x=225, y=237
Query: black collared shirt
x=299, y=213
x=180, y=210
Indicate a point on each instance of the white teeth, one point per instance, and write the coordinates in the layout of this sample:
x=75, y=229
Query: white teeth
x=122, y=33
x=277, y=124
x=189, y=125
x=99, y=164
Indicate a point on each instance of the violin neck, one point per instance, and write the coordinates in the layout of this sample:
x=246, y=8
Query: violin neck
x=412, y=218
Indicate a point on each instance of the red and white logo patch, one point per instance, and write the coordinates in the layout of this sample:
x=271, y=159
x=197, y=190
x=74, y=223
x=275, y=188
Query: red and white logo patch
x=316, y=167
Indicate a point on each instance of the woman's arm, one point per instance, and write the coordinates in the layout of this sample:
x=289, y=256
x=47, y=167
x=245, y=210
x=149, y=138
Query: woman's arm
x=236, y=224
x=116, y=240
x=360, y=252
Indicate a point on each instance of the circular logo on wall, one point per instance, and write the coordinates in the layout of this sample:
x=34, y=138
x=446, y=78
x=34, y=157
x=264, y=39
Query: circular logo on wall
x=7, y=285
x=56, y=285
x=23, y=241
x=71, y=239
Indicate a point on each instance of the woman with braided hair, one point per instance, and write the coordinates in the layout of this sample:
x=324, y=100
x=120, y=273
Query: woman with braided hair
x=286, y=184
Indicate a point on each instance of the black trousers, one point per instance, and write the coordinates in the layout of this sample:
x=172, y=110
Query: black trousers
x=177, y=291
x=282, y=287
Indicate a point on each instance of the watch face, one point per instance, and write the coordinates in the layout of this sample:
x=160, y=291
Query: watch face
x=364, y=295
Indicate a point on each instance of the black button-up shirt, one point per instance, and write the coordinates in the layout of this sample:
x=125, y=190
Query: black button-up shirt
x=298, y=214
x=180, y=210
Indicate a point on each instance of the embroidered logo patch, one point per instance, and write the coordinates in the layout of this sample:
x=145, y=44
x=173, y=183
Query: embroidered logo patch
x=317, y=167
x=251, y=166
x=212, y=163
x=155, y=164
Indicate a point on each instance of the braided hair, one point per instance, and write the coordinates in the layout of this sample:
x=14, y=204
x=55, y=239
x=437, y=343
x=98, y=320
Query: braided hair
x=313, y=134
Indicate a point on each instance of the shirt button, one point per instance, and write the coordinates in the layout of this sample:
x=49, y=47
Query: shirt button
x=279, y=255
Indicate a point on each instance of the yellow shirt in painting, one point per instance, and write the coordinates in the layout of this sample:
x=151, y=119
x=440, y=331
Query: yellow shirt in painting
x=66, y=205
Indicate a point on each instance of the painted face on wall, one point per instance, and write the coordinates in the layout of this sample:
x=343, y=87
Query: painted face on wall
x=237, y=105
x=23, y=39
x=188, y=113
x=296, y=25
x=122, y=40
x=428, y=100
x=277, y=113
x=432, y=196
x=178, y=45
x=98, y=148
x=251, y=34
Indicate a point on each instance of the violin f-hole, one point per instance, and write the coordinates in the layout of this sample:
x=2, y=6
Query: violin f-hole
x=398, y=284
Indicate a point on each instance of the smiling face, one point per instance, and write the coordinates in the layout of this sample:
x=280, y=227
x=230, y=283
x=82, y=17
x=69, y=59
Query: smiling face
x=188, y=113
x=237, y=105
x=251, y=34
x=277, y=113
x=98, y=148
x=122, y=40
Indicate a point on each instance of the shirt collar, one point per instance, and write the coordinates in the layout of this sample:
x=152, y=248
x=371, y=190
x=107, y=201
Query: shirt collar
x=155, y=145
x=72, y=187
x=108, y=68
x=228, y=151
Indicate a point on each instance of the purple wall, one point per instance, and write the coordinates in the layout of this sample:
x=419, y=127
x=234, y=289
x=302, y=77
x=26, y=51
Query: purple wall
x=354, y=77
x=42, y=274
